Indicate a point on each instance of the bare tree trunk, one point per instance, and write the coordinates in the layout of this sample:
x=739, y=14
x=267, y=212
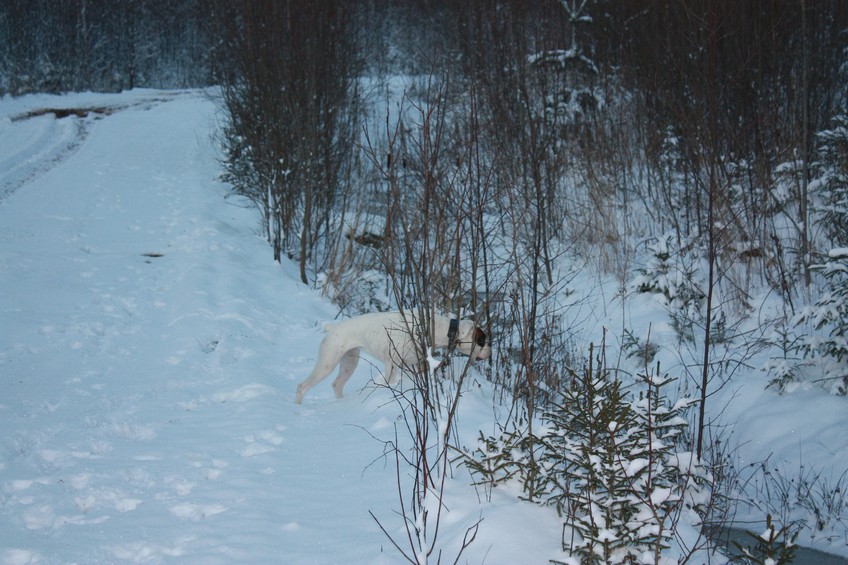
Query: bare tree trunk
x=711, y=197
x=805, y=124
x=305, y=231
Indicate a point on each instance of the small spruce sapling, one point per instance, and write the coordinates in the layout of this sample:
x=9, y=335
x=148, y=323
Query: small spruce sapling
x=606, y=461
x=772, y=547
x=830, y=313
x=585, y=446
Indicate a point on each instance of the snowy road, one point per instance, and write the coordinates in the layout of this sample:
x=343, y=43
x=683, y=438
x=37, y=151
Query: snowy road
x=36, y=145
x=149, y=350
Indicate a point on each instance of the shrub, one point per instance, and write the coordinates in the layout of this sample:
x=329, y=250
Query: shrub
x=670, y=274
x=830, y=313
x=772, y=547
x=606, y=461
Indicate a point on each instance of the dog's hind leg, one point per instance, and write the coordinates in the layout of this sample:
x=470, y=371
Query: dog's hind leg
x=328, y=357
x=388, y=371
x=346, y=367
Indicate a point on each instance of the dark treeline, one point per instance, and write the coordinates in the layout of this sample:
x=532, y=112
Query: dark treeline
x=103, y=45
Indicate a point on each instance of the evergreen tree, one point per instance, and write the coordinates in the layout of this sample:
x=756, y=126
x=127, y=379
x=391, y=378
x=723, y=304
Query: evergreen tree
x=607, y=462
x=830, y=311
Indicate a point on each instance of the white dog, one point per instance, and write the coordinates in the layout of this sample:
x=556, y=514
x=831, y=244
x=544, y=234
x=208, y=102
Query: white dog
x=390, y=337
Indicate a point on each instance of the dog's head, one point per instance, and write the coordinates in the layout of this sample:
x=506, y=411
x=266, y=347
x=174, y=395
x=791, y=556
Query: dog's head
x=472, y=341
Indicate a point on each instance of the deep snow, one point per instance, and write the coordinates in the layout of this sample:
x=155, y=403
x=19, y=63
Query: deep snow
x=149, y=353
x=147, y=401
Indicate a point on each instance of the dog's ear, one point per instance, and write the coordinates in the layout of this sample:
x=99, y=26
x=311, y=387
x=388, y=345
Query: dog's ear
x=479, y=337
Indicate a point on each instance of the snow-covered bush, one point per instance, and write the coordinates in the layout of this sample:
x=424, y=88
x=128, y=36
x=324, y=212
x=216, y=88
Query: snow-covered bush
x=607, y=462
x=832, y=183
x=772, y=547
x=644, y=350
x=802, y=352
x=830, y=313
x=591, y=479
x=670, y=274
x=613, y=469
x=356, y=291
x=783, y=368
x=511, y=456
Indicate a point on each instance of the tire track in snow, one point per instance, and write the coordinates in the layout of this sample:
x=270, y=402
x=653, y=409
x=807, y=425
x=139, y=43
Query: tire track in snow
x=34, y=142
x=36, y=145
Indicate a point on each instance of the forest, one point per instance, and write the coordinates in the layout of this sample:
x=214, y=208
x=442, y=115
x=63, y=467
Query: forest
x=489, y=158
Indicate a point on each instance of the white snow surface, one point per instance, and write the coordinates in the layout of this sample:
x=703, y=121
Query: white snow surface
x=146, y=402
x=150, y=348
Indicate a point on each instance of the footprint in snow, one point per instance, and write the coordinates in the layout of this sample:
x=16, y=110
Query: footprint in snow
x=197, y=512
x=243, y=394
x=262, y=442
x=105, y=497
x=213, y=471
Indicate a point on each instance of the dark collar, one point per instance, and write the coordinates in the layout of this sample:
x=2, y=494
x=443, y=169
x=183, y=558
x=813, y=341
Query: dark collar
x=453, y=330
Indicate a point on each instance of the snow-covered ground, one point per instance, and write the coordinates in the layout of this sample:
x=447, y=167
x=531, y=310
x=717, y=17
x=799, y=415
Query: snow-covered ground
x=149, y=353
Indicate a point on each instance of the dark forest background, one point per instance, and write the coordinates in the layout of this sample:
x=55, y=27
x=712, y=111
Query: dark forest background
x=98, y=45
